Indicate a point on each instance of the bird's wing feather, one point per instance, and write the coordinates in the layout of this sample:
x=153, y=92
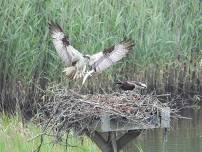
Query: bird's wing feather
x=95, y=57
x=110, y=56
x=67, y=53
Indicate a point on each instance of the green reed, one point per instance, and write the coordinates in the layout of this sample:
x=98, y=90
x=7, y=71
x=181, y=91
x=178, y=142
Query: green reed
x=165, y=33
x=18, y=138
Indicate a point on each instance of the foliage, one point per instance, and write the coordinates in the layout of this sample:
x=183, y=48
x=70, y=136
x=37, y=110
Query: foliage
x=162, y=30
x=18, y=138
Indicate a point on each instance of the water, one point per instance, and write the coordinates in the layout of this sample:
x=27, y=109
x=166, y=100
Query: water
x=184, y=136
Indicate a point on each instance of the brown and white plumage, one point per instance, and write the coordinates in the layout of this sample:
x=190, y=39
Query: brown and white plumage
x=130, y=85
x=102, y=60
x=110, y=56
x=61, y=42
x=77, y=63
x=72, y=58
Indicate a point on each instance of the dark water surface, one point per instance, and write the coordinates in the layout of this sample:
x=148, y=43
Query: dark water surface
x=184, y=136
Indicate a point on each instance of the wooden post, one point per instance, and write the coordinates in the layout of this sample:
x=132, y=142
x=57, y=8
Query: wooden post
x=99, y=141
x=113, y=140
x=115, y=145
x=129, y=130
x=127, y=137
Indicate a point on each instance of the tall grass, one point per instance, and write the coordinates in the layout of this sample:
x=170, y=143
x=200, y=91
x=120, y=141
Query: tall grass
x=16, y=138
x=165, y=34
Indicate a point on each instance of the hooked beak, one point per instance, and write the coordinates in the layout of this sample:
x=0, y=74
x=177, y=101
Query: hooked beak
x=86, y=56
x=142, y=85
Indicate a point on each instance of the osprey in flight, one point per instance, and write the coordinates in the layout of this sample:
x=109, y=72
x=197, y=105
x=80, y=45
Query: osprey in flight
x=77, y=63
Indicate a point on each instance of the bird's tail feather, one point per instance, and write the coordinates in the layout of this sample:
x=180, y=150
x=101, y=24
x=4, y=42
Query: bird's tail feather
x=70, y=72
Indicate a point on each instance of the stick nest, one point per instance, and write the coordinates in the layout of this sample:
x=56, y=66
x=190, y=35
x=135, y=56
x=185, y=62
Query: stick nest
x=68, y=110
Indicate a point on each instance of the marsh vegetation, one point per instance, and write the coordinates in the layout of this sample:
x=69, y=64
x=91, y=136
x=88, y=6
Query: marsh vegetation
x=167, y=53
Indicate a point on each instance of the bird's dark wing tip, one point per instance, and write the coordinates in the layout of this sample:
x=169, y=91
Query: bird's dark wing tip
x=51, y=24
x=54, y=26
x=108, y=50
x=128, y=43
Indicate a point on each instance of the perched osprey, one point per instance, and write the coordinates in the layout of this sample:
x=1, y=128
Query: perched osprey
x=76, y=63
x=130, y=85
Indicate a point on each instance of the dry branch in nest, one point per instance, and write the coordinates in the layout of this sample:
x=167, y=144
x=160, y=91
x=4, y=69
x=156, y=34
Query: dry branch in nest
x=67, y=110
x=70, y=110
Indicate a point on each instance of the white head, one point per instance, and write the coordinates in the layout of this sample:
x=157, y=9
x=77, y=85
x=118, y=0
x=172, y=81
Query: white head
x=87, y=58
x=142, y=85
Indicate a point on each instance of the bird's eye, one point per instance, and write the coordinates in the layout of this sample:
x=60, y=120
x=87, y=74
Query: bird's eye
x=86, y=56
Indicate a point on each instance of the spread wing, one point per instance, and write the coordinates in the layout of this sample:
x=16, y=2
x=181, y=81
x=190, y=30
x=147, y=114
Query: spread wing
x=102, y=60
x=67, y=53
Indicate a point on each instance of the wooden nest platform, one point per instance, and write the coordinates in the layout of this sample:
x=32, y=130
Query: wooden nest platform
x=95, y=115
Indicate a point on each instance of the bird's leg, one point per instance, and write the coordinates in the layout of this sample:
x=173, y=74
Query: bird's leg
x=83, y=71
x=77, y=70
x=75, y=75
x=87, y=75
